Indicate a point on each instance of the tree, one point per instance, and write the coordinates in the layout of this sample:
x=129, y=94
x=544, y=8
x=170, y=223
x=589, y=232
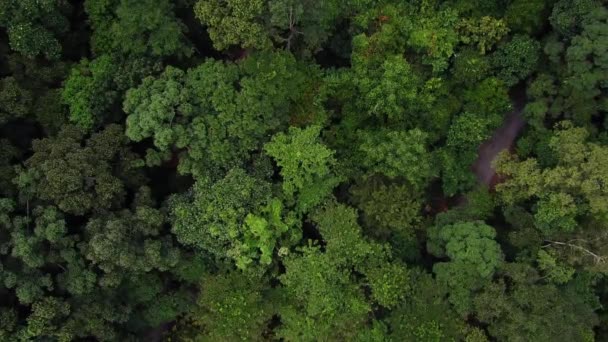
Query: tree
x=526, y=16
x=528, y=310
x=34, y=27
x=296, y=24
x=568, y=15
x=93, y=88
x=425, y=315
x=323, y=297
x=572, y=87
x=397, y=154
x=234, y=23
x=484, y=32
x=15, y=102
x=306, y=165
x=576, y=177
x=235, y=218
x=137, y=28
x=390, y=211
x=517, y=59
x=474, y=256
x=80, y=179
x=232, y=306
x=130, y=241
x=216, y=114
x=29, y=92
x=470, y=67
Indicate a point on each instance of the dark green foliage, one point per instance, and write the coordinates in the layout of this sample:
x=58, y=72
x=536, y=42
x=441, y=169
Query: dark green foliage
x=526, y=16
x=516, y=59
x=33, y=26
x=527, y=310
x=231, y=307
x=80, y=179
x=136, y=28
x=574, y=86
x=425, y=315
x=390, y=211
x=303, y=170
x=15, y=102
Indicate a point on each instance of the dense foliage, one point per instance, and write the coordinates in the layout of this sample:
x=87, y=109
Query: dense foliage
x=300, y=170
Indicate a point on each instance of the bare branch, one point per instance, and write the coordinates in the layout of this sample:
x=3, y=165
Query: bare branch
x=597, y=258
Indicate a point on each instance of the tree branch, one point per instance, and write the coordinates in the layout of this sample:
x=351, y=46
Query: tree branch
x=597, y=258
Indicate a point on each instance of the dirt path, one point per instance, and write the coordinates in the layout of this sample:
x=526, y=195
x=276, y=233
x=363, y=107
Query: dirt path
x=502, y=139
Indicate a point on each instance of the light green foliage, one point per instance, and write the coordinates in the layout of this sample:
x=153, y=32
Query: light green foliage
x=45, y=319
x=93, y=87
x=295, y=24
x=261, y=233
x=397, y=154
x=234, y=22
x=324, y=299
x=79, y=179
x=397, y=91
x=387, y=86
x=396, y=88
x=559, y=274
x=231, y=307
x=339, y=228
x=137, y=28
x=484, y=32
x=517, y=59
x=576, y=178
x=474, y=256
x=433, y=33
x=88, y=91
x=33, y=26
x=304, y=160
x=468, y=130
x=212, y=217
x=235, y=218
x=556, y=211
x=217, y=113
x=526, y=310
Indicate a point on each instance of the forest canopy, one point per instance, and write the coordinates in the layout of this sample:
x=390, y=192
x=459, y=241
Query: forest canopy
x=301, y=170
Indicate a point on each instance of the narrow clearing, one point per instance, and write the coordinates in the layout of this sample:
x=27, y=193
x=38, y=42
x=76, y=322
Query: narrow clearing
x=502, y=139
